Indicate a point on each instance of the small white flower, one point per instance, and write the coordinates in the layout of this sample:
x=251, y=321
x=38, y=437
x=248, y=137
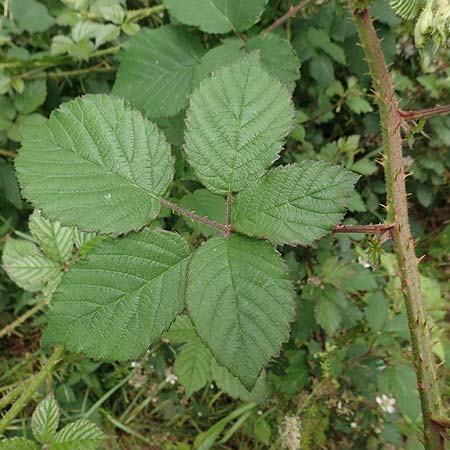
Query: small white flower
x=212, y=386
x=387, y=404
x=260, y=413
x=199, y=414
x=171, y=379
x=363, y=262
x=353, y=425
x=135, y=364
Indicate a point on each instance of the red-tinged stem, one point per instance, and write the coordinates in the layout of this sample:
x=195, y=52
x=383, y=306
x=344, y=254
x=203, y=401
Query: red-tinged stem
x=367, y=229
x=424, y=113
x=293, y=10
x=397, y=213
x=185, y=212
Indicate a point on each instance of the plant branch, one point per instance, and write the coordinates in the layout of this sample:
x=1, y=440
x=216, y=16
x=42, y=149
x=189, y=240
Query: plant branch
x=424, y=113
x=293, y=10
x=23, y=318
x=397, y=213
x=368, y=229
x=30, y=389
x=185, y=212
x=8, y=153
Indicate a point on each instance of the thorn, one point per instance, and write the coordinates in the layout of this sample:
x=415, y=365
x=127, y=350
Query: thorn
x=420, y=259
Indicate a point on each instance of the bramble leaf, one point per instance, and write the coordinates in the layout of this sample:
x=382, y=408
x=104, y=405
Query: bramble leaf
x=45, y=420
x=118, y=300
x=17, y=443
x=27, y=266
x=56, y=241
x=217, y=16
x=96, y=163
x=32, y=97
x=193, y=366
x=156, y=70
x=235, y=125
x=79, y=435
x=294, y=204
x=240, y=300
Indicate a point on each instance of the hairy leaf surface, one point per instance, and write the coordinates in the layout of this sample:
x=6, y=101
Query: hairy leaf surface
x=27, y=266
x=96, y=163
x=157, y=68
x=294, y=204
x=239, y=298
x=17, y=443
x=235, y=125
x=79, y=435
x=45, y=420
x=119, y=299
x=217, y=16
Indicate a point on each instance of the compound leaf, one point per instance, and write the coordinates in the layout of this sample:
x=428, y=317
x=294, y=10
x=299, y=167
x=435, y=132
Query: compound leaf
x=121, y=297
x=192, y=366
x=294, y=204
x=45, y=420
x=157, y=69
x=79, y=435
x=239, y=298
x=96, y=163
x=217, y=16
x=55, y=240
x=235, y=125
x=27, y=266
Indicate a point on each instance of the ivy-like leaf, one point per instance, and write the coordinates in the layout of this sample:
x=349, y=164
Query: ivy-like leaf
x=96, y=163
x=217, y=16
x=192, y=366
x=116, y=302
x=27, y=266
x=157, y=68
x=56, y=241
x=240, y=300
x=294, y=204
x=45, y=420
x=235, y=125
x=17, y=443
x=79, y=435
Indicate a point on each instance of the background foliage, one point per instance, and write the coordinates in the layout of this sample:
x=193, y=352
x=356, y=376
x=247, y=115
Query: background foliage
x=350, y=343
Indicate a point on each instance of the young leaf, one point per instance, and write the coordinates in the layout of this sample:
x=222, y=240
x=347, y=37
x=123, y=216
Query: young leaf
x=27, y=266
x=79, y=435
x=55, y=240
x=217, y=16
x=192, y=366
x=17, y=443
x=45, y=420
x=294, y=204
x=157, y=68
x=116, y=302
x=32, y=97
x=239, y=298
x=328, y=315
x=235, y=125
x=96, y=163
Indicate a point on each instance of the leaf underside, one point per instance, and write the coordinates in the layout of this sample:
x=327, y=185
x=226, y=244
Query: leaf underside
x=239, y=298
x=116, y=302
x=96, y=163
x=236, y=124
x=294, y=204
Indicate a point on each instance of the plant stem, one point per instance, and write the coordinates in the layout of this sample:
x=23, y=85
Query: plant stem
x=397, y=214
x=8, y=153
x=68, y=73
x=8, y=329
x=367, y=229
x=9, y=397
x=293, y=10
x=30, y=389
x=196, y=217
x=424, y=113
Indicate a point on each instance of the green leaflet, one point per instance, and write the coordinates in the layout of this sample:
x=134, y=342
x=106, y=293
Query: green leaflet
x=32, y=97
x=156, y=70
x=294, y=204
x=235, y=125
x=17, y=443
x=27, y=266
x=217, y=16
x=56, y=241
x=79, y=435
x=96, y=163
x=193, y=366
x=407, y=9
x=116, y=302
x=240, y=300
x=45, y=420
